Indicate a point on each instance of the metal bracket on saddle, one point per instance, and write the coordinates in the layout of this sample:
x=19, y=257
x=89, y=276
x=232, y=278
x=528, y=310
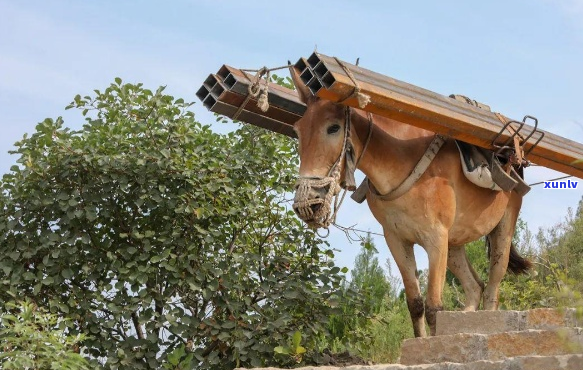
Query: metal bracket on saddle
x=513, y=150
x=517, y=138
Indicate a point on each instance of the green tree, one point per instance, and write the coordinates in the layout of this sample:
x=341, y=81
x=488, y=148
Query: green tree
x=558, y=254
x=31, y=338
x=369, y=281
x=565, y=247
x=387, y=331
x=167, y=244
x=369, y=278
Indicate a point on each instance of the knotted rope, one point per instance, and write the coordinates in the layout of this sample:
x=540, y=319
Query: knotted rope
x=257, y=90
x=362, y=98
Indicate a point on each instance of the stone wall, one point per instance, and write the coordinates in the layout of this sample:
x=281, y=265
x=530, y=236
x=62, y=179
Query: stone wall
x=540, y=339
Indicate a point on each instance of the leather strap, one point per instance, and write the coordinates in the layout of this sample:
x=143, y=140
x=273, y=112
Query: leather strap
x=359, y=194
x=408, y=183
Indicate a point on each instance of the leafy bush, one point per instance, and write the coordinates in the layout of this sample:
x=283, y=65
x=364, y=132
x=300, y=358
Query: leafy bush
x=374, y=325
x=31, y=338
x=165, y=243
x=387, y=331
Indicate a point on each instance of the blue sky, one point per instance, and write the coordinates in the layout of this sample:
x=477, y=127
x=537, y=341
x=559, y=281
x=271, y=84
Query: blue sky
x=520, y=57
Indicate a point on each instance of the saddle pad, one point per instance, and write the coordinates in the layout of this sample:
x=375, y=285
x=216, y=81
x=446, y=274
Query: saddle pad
x=475, y=166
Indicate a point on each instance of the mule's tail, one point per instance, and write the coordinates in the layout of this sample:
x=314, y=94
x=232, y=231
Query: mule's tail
x=516, y=263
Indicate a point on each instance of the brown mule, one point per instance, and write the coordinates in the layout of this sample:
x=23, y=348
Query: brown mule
x=442, y=211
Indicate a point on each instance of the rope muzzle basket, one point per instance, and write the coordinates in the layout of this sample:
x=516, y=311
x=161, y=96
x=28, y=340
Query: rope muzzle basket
x=316, y=211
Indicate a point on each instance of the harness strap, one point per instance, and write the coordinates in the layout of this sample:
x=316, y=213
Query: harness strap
x=360, y=194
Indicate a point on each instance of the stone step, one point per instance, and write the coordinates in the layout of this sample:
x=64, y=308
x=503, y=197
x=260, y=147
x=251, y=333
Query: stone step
x=489, y=322
x=563, y=362
x=465, y=347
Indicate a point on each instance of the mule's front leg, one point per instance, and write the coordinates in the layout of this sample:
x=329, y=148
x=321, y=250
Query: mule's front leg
x=405, y=259
x=437, y=254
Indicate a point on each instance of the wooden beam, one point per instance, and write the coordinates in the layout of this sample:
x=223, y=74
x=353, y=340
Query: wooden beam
x=328, y=79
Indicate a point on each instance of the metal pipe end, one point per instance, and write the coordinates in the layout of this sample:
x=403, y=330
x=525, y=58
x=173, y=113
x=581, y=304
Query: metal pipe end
x=306, y=76
x=217, y=90
x=328, y=80
x=313, y=60
x=314, y=85
x=223, y=72
x=320, y=70
x=210, y=81
x=229, y=81
x=300, y=65
x=209, y=102
x=202, y=93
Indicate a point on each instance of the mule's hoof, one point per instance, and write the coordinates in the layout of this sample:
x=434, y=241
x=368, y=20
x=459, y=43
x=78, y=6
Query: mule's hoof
x=490, y=305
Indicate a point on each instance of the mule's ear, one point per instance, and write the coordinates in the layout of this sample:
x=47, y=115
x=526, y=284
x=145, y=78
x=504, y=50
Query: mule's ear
x=303, y=92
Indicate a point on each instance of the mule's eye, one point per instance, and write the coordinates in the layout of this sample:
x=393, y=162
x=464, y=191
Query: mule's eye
x=333, y=129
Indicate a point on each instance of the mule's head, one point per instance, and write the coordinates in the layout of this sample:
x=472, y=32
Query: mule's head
x=326, y=156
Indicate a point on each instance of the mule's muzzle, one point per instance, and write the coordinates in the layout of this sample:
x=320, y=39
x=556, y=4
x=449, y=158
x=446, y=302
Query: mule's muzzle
x=313, y=198
x=315, y=207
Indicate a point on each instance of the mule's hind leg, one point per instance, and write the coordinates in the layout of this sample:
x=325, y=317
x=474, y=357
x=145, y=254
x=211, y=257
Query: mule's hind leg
x=436, y=249
x=500, y=243
x=458, y=263
x=405, y=259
